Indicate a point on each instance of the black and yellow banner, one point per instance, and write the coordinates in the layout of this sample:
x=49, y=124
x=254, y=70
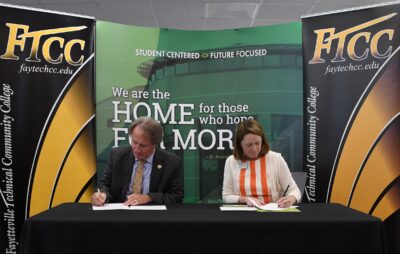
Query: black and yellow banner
x=47, y=114
x=352, y=111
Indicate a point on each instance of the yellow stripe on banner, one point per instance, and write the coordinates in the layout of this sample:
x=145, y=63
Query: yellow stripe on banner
x=379, y=172
x=381, y=105
x=389, y=204
x=85, y=198
x=77, y=171
x=73, y=112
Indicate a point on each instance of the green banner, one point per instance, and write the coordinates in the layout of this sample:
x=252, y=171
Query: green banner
x=199, y=85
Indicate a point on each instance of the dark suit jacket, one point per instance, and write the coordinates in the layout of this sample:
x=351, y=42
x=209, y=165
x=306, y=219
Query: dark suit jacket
x=166, y=179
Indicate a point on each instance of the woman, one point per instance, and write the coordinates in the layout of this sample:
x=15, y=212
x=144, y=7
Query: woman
x=254, y=172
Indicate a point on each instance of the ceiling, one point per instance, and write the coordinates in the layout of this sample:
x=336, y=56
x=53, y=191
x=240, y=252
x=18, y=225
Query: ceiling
x=195, y=14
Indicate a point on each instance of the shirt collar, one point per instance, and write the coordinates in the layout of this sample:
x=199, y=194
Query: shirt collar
x=150, y=158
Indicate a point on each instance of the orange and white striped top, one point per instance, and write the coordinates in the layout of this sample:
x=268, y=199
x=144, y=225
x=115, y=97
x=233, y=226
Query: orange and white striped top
x=265, y=179
x=253, y=179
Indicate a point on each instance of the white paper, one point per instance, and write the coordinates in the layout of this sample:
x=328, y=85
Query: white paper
x=237, y=208
x=111, y=206
x=121, y=206
x=270, y=206
x=148, y=207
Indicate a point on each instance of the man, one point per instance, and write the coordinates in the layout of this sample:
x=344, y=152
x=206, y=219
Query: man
x=141, y=173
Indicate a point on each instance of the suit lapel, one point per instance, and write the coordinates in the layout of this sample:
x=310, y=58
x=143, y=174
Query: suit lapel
x=127, y=169
x=156, y=170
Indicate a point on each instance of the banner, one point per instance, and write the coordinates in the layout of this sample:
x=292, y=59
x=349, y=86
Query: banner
x=47, y=111
x=352, y=111
x=199, y=85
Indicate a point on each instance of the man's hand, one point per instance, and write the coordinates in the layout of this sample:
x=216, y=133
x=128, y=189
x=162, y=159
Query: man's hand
x=98, y=198
x=137, y=199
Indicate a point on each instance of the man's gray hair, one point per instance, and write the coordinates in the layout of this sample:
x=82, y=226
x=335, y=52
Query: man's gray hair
x=151, y=127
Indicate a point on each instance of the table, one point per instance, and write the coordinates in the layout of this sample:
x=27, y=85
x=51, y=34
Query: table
x=321, y=228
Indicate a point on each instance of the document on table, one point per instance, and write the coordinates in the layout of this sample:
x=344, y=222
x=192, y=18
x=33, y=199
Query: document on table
x=274, y=207
x=237, y=208
x=121, y=206
x=270, y=207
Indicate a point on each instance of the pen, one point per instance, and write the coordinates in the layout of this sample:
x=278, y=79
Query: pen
x=98, y=191
x=287, y=188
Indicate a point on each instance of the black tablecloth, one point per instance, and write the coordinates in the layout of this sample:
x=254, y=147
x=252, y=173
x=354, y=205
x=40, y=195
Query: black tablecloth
x=319, y=228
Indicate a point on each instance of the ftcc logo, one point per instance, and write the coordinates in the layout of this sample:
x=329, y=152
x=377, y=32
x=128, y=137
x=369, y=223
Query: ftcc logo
x=377, y=44
x=19, y=34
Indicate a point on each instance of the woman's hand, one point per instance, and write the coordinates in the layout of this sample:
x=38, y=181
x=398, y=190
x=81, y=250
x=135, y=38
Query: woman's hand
x=285, y=202
x=249, y=203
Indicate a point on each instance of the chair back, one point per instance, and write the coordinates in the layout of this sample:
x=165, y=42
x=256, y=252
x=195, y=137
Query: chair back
x=300, y=178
